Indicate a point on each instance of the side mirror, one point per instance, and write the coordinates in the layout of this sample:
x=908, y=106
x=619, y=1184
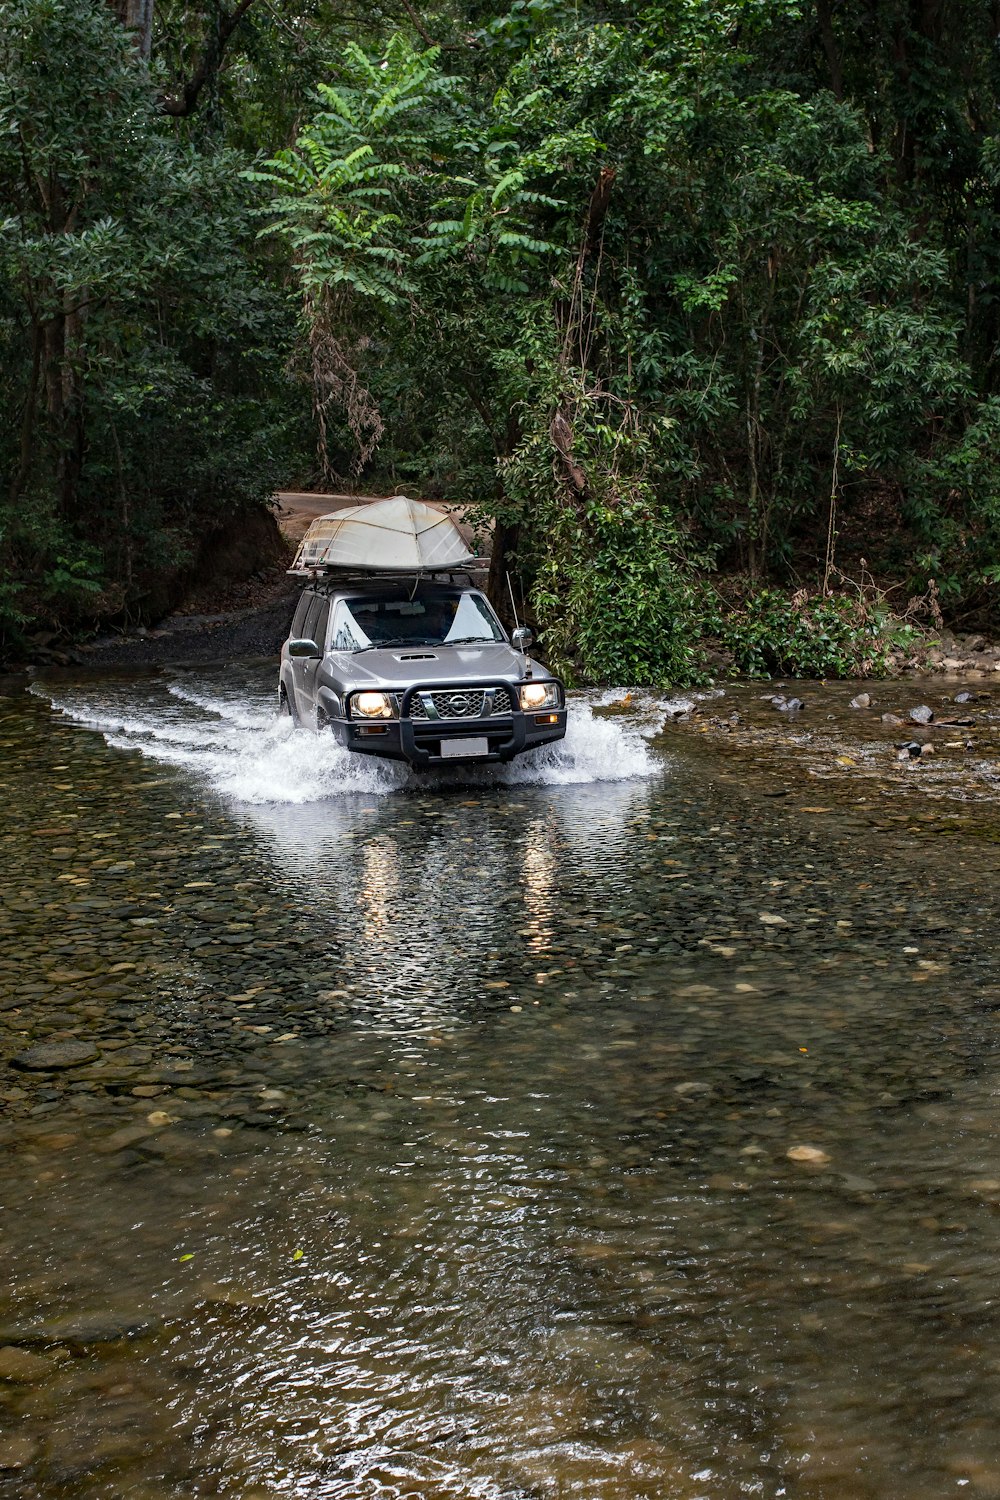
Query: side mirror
x=522, y=638
x=304, y=648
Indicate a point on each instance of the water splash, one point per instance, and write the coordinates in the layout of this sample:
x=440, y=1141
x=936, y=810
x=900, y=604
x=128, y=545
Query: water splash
x=222, y=726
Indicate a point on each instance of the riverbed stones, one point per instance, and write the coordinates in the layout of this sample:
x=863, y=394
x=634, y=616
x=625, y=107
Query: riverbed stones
x=22, y=1367
x=16, y=1452
x=52, y=1057
x=81, y=1332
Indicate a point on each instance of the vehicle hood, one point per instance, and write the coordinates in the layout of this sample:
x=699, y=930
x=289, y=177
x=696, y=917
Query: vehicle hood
x=400, y=667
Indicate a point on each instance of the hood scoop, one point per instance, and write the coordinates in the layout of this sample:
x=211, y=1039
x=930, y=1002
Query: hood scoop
x=418, y=656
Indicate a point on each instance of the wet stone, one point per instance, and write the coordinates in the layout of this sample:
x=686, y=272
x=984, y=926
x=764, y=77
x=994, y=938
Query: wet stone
x=16, y=1452
x=22, y=1367
x=49, y=1057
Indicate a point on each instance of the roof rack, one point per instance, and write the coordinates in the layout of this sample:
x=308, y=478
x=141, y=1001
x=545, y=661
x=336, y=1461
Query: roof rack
x=343, y=576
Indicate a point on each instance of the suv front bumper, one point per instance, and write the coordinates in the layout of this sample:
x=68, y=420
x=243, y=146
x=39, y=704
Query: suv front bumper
x=419, y=741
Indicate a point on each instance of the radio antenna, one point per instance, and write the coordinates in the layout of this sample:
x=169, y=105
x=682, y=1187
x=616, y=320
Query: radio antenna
x=513, y=606
x=522, y=647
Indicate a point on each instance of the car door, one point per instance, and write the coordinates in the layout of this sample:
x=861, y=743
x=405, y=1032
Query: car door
x=315, y=629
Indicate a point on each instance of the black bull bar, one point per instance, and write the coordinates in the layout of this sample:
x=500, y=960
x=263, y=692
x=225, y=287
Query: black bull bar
x=444, y=729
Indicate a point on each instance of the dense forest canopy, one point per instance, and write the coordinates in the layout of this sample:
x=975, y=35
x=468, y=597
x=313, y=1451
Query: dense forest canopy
x=675, y=294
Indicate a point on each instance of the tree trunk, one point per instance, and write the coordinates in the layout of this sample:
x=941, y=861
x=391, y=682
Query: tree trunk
x=137, y=17
x=62, y=338
x=74, y=434
x=824, y=15
x=208, y=68
x=505, y=539
x=27, y=442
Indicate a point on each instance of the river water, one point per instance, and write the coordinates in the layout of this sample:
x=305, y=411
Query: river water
x=622, y=1126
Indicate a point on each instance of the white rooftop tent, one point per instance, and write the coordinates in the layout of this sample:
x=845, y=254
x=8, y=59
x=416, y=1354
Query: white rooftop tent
x=398, y=535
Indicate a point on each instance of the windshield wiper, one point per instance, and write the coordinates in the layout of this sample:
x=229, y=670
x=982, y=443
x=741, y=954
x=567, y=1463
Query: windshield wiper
x=471, y=640
x=393, y=641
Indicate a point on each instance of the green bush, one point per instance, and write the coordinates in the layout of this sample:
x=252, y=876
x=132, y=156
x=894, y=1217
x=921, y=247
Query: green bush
x=773, y=634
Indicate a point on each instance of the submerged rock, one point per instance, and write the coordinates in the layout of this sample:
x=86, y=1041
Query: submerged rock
x=52, y=1056
x=811, y=1156
x=16, y=1452
x=22, y=1367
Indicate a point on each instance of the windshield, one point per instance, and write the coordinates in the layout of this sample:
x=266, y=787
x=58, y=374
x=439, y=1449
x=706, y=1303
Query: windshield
x=428, y=619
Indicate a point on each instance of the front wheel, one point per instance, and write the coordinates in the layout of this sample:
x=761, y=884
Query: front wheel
x=286, y=708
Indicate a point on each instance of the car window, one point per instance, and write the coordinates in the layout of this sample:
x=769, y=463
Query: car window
x=316, y=618
x=299, y=617
x=347, y=633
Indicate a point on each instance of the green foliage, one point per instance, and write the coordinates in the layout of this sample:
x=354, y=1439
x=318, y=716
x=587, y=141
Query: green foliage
x=610, y=588
x=688, y=267
x=656, y=289
x=343, y=192
x=144, y=346
x=770, y=634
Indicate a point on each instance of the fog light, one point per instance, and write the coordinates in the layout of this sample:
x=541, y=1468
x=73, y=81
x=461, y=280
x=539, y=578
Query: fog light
x=546, y=718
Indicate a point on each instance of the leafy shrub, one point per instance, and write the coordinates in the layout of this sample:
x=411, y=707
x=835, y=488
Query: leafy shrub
x=772, y=633
x=613, y=605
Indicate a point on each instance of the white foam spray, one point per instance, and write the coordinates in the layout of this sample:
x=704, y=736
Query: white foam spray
x=223, y=726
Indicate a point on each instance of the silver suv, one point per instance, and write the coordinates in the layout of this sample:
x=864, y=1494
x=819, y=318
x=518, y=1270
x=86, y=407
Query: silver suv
x=416, y=670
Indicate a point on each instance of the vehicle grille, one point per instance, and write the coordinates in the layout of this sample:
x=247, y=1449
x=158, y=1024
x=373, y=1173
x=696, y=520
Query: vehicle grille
x=461, y=704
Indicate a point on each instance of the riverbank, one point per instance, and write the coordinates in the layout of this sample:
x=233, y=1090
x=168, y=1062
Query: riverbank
x=257, y=629
x=230, y=619
x=233, y=618
x=922, y=739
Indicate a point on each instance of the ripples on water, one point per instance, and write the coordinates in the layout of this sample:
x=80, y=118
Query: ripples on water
x=438, y=1144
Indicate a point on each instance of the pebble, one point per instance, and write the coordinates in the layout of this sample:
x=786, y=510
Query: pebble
x=921, y=714
x=811, y=1155
x=863, y=700
x=81, y=1331
x=718, y=1007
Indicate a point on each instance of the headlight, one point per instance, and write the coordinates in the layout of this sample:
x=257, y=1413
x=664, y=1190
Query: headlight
x=371, y=706
x=540, y=695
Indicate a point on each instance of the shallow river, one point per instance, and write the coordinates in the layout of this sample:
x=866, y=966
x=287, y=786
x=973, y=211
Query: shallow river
x=622, y=1127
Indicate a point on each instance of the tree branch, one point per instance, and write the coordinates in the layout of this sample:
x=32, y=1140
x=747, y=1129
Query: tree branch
x=418, y=25
x=211, y=60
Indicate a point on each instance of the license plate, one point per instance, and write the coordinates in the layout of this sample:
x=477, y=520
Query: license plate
x=458, y=749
